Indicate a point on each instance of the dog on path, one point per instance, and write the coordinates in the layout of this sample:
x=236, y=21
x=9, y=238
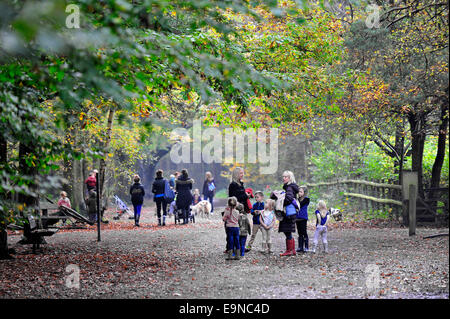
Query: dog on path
x=203, y=209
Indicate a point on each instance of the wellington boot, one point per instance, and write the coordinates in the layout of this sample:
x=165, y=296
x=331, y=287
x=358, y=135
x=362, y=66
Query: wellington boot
x=288, y=251
x=229, y=255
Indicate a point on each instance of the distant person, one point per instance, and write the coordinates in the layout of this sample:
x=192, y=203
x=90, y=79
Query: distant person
x=91, y=204
x=183, y=186
x=91, y=181
x=209, y=189
x=158, y=189
x=64, y=200
x=137, y=193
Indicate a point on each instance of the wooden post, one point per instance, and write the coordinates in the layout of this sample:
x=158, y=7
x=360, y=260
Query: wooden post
x=412, y=209
x=98, y=207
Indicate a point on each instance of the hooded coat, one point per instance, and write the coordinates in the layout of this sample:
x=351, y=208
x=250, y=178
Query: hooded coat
x=183, y=186
x=287, y=225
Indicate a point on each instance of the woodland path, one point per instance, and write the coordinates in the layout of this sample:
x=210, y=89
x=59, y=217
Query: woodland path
x=187, y=261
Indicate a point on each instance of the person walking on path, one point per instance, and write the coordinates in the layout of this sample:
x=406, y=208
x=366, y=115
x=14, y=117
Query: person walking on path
x=158, y=188
x=209, y=189
x=267, y=221
x=302, y=220
x=287, y=225
x=183, y=186
x=231, y=219
x=137, y=193
x=256, y=210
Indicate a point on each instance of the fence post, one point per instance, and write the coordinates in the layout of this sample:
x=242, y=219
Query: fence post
x=409, y=178
x=412, y=209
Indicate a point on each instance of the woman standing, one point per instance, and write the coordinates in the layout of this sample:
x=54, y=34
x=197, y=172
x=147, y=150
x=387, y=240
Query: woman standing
x=237, y=189
x=183, y=186
x=158, y=189
x=287, y=225
x=137, y=193
x=209, y=189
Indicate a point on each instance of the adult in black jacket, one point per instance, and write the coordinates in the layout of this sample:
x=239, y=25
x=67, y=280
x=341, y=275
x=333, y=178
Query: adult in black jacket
x=237, y=189
x=137, y=193
x=183, y=186
x=287, y=225
x=158, y=188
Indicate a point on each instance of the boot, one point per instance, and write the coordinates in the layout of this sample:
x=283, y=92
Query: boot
x=164, y=221
x=300, y=244
x=264, y=247
x=292, y=245
x=269, y=249
x=229, y=254
x=306, y=245
x=136, y=220
x=159, y=221
x=288, y=248
x=238, y=254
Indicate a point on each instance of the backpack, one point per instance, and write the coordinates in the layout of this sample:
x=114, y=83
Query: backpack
x=169, y=194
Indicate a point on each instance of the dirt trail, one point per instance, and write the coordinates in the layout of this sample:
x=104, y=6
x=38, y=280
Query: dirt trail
x=187, y=261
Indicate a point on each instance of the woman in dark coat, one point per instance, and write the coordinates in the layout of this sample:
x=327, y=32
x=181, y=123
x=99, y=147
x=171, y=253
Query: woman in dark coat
x=237, y=189
x=158, y=189
x=287, y=225
x=183, y=186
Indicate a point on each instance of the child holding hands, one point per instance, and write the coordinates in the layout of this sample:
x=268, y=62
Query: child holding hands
x=267, y=221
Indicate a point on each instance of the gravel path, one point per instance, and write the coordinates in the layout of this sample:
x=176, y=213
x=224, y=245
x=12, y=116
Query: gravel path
x=187, y=261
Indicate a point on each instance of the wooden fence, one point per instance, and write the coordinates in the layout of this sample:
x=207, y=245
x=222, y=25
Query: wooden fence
x=367, y=195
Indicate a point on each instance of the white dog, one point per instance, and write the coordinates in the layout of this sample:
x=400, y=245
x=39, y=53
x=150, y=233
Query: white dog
x=203, y=208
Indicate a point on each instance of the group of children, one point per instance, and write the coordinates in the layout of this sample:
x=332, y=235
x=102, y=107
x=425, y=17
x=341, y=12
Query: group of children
x=237, y=224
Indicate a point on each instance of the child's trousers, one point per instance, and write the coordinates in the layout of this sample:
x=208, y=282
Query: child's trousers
x=255, y=229
x=321, y=231
x=266, y=238
x=242, y=240
x=233, y=238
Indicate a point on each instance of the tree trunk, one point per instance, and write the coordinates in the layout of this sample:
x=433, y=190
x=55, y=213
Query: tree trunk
x=417, y=124
x=78, y=187
x=440, y=155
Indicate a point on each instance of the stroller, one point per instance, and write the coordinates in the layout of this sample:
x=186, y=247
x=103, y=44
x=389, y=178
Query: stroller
x=122, y=208
x=178, y=213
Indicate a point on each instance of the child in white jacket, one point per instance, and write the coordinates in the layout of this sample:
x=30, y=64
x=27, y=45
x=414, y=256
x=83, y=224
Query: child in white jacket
x=267, y=221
